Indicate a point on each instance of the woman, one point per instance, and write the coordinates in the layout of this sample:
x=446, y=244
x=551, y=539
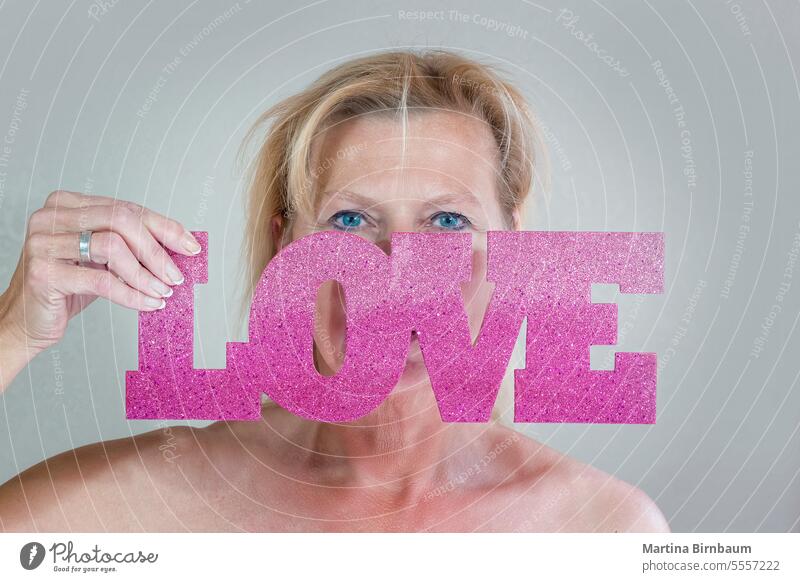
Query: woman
x=397, y=141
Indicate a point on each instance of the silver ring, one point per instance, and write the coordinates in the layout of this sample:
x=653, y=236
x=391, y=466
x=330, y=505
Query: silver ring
x=83, y=246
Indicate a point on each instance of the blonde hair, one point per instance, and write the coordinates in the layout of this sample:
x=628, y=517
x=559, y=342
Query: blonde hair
x=280, y=179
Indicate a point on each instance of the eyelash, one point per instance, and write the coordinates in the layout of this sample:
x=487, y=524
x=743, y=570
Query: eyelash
x=332, y=220
x=464, y=221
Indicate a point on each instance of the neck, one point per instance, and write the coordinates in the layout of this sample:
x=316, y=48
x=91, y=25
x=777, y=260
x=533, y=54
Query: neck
x=402, y=446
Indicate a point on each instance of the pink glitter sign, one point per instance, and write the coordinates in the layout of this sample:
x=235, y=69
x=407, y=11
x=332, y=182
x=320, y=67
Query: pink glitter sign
x=543, y=278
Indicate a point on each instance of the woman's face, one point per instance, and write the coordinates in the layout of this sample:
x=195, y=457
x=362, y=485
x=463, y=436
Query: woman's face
x=371, y=182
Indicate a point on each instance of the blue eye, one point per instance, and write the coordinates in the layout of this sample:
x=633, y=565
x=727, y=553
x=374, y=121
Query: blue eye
x=347, y=219
x=450, y=220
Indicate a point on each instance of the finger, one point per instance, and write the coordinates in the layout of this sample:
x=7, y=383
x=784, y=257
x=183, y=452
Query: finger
x=67, y=199
x=171, y=233
x=120, y=219
x=106, y=248
x=80, y=280
x=109, y=249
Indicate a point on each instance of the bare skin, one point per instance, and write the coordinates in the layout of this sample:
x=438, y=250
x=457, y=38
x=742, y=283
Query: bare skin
x=400, y=468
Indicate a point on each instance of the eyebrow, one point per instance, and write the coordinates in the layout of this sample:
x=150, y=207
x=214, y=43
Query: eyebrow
x=441, y=200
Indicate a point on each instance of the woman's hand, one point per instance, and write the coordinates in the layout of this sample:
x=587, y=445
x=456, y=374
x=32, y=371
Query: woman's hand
x=129, y=266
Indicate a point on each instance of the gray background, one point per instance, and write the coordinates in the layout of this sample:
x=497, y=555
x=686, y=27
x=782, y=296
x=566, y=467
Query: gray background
x=725, y=452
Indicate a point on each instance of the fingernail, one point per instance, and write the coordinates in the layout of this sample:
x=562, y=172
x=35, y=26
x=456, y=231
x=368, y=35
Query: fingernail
x=190, y=243
x=174, y=274
x=156, y=303
x=161, y=288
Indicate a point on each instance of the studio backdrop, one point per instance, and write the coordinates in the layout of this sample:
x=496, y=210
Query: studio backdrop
x=675, y=117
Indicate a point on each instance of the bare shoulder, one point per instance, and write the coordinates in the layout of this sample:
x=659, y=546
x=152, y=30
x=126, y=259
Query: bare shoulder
x=114, y=485
x=564, y=494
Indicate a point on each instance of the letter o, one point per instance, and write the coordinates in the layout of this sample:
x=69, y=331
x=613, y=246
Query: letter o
x=282, y=328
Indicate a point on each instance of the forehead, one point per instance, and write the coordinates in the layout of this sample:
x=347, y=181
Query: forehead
x=430, y=151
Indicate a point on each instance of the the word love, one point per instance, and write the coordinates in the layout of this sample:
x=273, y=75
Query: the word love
x=543, y=278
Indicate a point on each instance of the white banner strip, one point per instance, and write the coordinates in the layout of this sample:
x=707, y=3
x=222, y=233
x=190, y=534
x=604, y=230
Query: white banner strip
x=388, y=557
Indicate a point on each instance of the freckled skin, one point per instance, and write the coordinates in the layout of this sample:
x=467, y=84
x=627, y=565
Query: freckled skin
x=400, y=468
